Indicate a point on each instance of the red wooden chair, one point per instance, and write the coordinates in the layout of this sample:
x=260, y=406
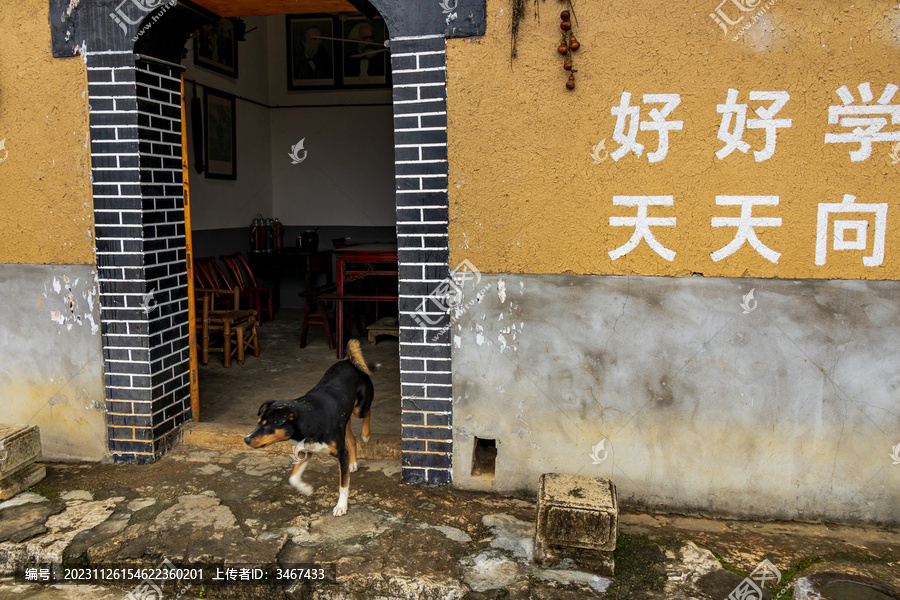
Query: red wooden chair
x=209, y=275
x=246, y=282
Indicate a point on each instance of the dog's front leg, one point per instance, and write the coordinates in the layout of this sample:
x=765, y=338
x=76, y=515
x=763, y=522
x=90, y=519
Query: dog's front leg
x=344, y=490
x=296, y=479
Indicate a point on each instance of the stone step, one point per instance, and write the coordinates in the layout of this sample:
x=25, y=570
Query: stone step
x=21, y=480
x=20, y=447
x=220, y=436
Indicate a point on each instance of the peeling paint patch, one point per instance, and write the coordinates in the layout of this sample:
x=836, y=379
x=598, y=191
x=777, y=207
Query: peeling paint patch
x=501, y=291
x=66, y=308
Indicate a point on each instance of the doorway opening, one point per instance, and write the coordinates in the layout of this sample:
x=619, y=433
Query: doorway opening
x=141, y=226
x=290, y=154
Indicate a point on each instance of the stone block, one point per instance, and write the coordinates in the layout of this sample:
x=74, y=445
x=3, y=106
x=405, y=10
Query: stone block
x=20, y=447
x=21, y=480
x=577, y=519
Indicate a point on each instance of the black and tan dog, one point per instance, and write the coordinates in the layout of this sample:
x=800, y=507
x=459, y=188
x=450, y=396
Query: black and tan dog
x=320, y=420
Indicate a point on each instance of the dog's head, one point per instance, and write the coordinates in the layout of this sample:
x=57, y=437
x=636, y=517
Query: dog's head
x=275, y=424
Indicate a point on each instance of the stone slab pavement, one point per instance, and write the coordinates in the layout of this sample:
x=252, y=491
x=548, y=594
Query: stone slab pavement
x=235, y=508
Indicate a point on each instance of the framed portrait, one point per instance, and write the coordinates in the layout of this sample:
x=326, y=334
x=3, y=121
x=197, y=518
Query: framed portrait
x=312, y=53
x=220, y=140
x=364, y=56
x=216, y=48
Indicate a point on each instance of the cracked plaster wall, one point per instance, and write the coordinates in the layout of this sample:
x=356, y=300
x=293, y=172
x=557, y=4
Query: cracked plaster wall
x=787, y=411
x=50, y=368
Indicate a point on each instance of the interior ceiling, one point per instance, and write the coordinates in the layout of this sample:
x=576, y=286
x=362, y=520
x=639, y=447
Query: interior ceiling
x=253, y=8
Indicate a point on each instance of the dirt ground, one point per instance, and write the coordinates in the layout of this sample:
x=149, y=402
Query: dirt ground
x=207, y=507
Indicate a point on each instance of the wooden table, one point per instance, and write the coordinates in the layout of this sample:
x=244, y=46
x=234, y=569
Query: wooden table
x=355, y=263
x=275, y=265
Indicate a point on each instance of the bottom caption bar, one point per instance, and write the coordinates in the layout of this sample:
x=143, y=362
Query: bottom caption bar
x=168, y=574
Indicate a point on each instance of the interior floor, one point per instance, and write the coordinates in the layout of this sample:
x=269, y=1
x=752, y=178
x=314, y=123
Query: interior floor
x=283, y=370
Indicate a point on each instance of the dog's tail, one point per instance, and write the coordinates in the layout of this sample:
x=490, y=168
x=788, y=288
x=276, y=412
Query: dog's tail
x=354, y=353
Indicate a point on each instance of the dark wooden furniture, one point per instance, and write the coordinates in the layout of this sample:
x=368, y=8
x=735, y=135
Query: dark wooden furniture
x=316, y=313
x=209, y=275
x=223, y=325
x=275, y=265
x=259, y=298
x=309, y=266
x=356, y=263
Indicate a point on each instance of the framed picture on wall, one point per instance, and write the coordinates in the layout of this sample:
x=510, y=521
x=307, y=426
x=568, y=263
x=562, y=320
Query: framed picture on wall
x=312, y=53
x=216, y=48
x=365, y=58
x=220, y=140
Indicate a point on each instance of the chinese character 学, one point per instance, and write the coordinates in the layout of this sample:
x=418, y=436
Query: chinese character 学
x=865, y=126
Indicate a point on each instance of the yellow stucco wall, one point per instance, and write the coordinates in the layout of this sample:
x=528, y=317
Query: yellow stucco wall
x=47, y=211
x=526, y=195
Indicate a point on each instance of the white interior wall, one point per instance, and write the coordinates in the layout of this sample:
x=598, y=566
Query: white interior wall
x=347, y=178
x=223, y=203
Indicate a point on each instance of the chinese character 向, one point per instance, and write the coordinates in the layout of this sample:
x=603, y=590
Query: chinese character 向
x=859, y=227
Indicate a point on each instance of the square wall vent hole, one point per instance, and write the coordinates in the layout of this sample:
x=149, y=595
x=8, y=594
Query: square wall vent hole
x=483, y=458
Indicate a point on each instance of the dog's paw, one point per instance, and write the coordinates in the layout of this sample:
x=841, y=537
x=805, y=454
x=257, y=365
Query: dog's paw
x=365, y=439
x=303, y=488
x=353, y=467
x=339, y=510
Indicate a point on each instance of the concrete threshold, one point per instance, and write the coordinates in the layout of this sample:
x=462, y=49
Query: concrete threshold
x=225, y=437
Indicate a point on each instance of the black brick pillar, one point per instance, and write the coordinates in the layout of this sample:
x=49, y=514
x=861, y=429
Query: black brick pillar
x=420, y=146
x=135, y=123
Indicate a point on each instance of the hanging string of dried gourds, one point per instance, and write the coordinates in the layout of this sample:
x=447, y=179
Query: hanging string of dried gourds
x=569, y=43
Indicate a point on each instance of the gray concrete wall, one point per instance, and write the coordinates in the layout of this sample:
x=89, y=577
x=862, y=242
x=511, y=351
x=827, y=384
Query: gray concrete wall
x=51, y=371
x=787, y=411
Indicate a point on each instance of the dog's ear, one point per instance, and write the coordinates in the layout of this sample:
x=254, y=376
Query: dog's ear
x=264, y=406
